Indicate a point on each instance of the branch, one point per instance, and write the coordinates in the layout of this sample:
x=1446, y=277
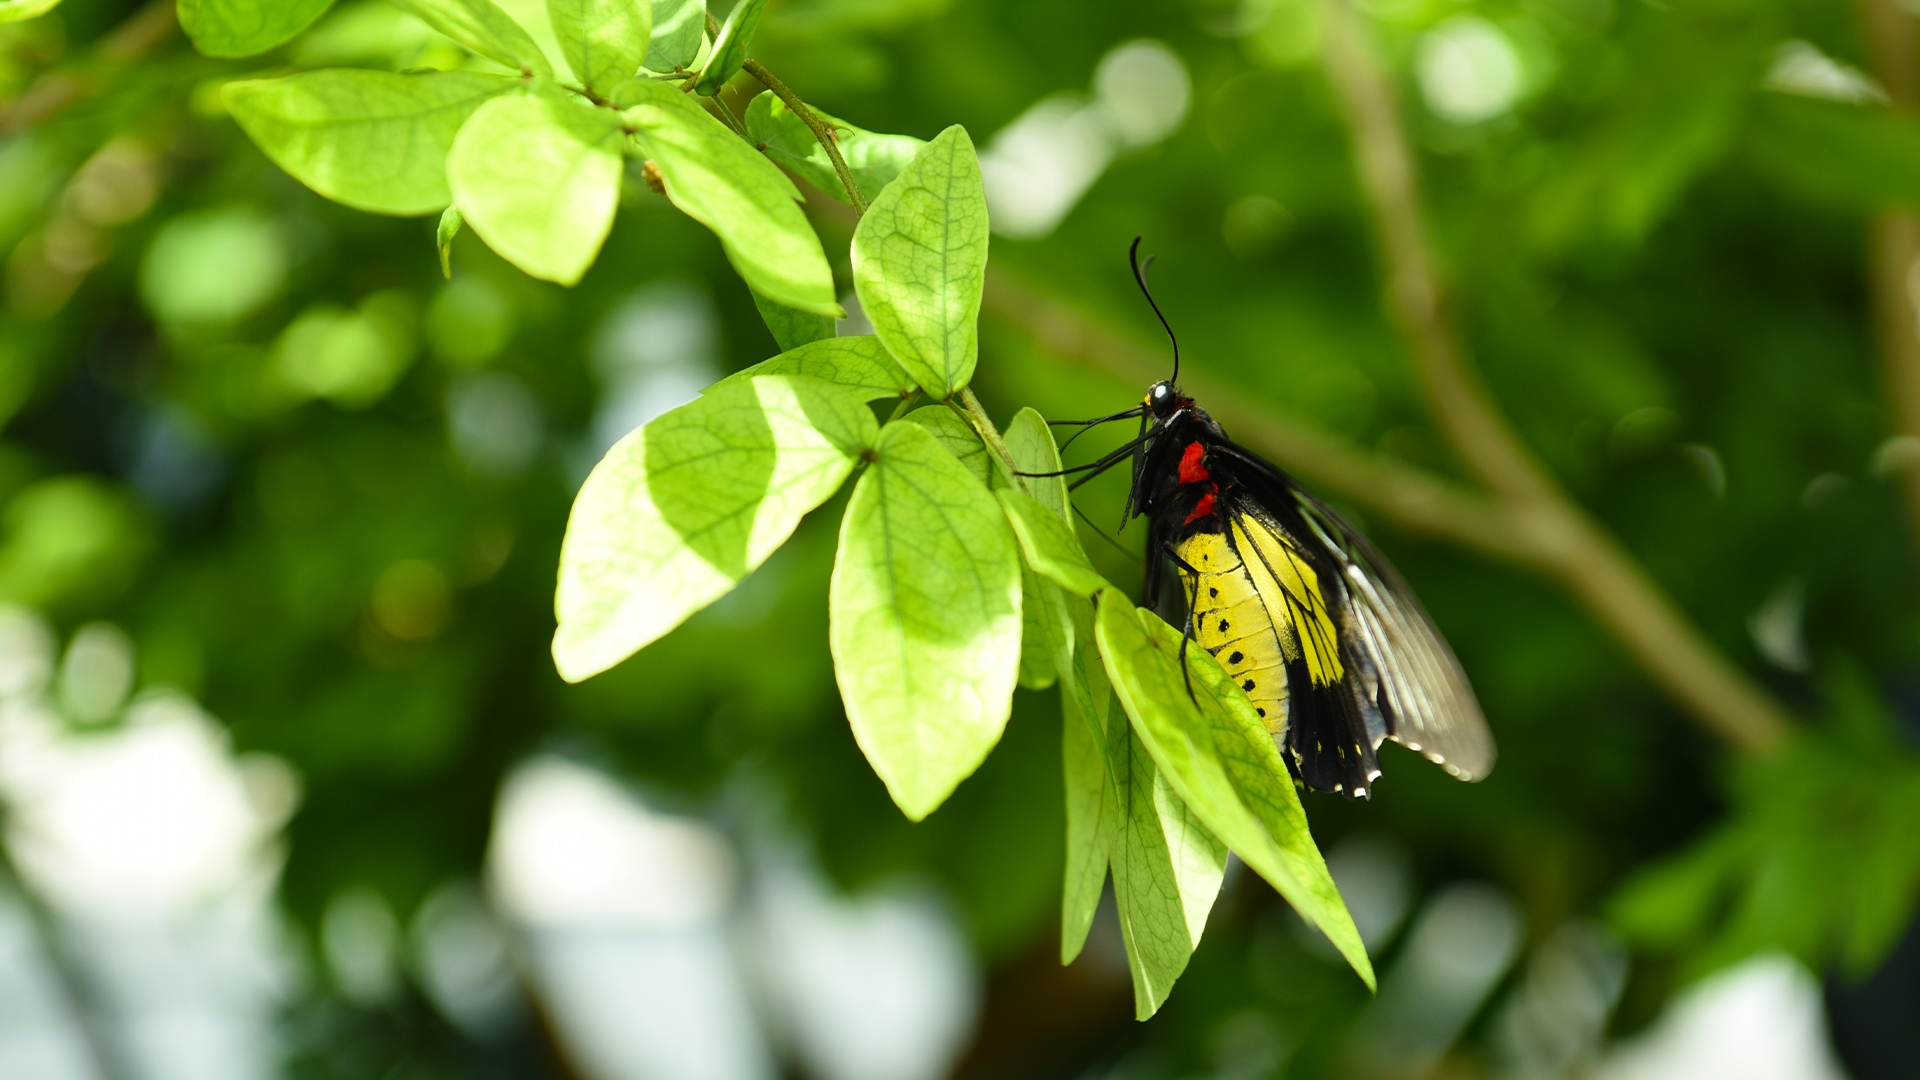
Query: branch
x=53, y=91
x=1576, y=551
x=821, y=132
x=1894, y=244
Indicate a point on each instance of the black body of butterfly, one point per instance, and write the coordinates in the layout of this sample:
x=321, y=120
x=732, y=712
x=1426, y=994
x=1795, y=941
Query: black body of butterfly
x=1306, y=615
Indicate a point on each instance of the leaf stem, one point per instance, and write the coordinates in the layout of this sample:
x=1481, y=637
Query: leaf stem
x=906, y=402
x=969, y=407
x=821, y=132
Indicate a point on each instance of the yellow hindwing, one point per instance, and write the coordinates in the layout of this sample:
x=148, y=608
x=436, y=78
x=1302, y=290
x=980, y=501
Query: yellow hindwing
x=1258, y=612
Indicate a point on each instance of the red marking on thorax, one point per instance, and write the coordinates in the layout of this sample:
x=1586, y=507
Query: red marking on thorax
x=1204, y=507
x=1191, y=469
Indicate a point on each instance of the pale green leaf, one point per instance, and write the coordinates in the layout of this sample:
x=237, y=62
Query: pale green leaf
x=373, y=140
x=1167, y=869
x=1043, y=519
x=730, y=47
x=1092, y=800
x=1030, y=444
x=721, y=182
x=481, y=26
x=1030, y=441
x=449, y=227
x=679, y=26
x=1218, y=754
x=604, y=41
x=920, y=263
x=873, y=159
x=681, y=510
x=538, y=178
x=239, y=27
x=925, y=618
x=20, y=10
x=860, y=364
x=1049, y=544
x=1042, y=612
x=958, y=437
x=790, y=328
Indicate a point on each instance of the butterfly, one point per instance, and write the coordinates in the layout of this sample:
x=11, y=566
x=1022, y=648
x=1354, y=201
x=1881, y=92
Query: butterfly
x=1306, y=615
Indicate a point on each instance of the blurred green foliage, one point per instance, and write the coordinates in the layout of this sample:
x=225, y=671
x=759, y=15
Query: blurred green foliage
x=323, y=487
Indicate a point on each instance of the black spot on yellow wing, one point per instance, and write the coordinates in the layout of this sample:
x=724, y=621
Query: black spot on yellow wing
x=1265, y=615
x=1232, y=623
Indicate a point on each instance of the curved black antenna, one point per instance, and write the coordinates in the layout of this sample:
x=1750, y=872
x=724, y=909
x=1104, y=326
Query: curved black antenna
x=1140, y=277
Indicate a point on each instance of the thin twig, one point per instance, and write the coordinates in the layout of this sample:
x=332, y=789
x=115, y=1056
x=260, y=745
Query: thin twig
x=822, y=133
x=970, y=407
x=1894, y=243
x=53, y=91
x=719, y=108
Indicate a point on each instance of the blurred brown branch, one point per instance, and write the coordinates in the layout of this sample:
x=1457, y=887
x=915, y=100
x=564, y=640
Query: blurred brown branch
x=53, y=91
x=1572, y=547
x=1523, y=516
x=1894, y=244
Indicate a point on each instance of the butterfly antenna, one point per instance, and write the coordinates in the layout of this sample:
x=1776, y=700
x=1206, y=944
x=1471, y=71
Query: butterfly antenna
x=1140, y=278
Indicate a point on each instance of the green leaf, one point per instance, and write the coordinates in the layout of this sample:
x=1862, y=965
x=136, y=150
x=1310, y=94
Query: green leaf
x=958, y=437
x=239, y=27
x=730, y=48
x=481, y=26
x=920, y=263
x=874, y=160
x=721, y=182
x=538, y=178
x=1854, y=156
x=790, y=328
x=925, y=607
x=373, y=140
x=1043, y=521
x=450, y=222
x=604, y=41
x=1091, y=806
x=1030, y=441
x=1031, y=446
x=681, y=510
x=679, y=26
x=860, y=364
x=20, y=10
x=1674, y=901
x=1167, y=869
x=1218, y=754
x=1042, y=611
x=1092, y=799
x=1050, y=545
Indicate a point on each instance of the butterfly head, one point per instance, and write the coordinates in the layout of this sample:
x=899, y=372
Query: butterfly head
x=1164, y=399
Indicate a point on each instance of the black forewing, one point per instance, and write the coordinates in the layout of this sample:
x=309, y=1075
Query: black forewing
x=1399, y=660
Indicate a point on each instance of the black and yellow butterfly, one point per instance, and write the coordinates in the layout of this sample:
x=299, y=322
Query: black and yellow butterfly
x=1312, y=621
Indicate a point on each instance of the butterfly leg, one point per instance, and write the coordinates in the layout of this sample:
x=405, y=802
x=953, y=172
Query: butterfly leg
x=1193, y=601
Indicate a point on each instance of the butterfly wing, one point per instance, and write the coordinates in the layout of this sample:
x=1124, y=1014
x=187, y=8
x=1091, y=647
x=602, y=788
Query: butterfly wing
x=1331, y=725
x=1403, y=663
